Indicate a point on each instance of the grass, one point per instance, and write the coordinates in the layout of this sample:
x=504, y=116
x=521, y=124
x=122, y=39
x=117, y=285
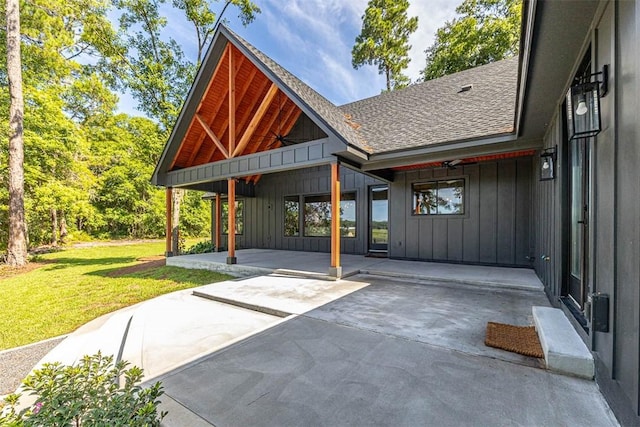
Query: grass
x=74, y=286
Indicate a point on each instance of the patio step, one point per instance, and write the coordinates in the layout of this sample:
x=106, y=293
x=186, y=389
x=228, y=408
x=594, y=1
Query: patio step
x=564, y=351
x=242, y=304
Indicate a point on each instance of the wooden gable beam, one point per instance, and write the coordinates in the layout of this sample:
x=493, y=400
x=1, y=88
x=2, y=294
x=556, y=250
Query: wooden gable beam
x=224, y=128
x=285, y=117
x=232, y=103
x=241, y=123
x=220, y=97
x=266, y=128
x=212, y=135
x=253, y=124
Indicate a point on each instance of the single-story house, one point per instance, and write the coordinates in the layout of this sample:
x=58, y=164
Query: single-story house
x=528, y=162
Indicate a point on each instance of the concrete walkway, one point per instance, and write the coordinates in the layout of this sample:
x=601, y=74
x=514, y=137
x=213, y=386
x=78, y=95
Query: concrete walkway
x=168, y=331
x=316, y=264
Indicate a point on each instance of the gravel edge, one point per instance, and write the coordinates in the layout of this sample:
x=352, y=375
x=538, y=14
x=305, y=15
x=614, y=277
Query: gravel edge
x=16, y=363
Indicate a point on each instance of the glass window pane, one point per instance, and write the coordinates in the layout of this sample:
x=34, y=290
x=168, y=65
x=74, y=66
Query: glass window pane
x=239, y=217
x=425, y=198
x=444, y=197
x=317, y=216
x=348, y=215
x=450, y=197
x=379, y=216
x=291, y=216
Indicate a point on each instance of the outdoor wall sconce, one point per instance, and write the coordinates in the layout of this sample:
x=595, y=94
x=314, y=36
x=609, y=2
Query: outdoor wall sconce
x=548, y=164
x=583, y=105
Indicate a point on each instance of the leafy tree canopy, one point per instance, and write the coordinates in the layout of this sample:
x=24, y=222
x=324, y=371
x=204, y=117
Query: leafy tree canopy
x=384, y=40
x=487, y=31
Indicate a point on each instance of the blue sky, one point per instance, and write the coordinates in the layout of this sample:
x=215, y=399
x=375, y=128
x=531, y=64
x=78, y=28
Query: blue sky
x=313, y=40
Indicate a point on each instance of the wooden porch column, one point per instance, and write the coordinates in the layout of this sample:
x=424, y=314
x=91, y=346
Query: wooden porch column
x=218, y=222
x=169, y=204
x=231, y=258
x=336, y=268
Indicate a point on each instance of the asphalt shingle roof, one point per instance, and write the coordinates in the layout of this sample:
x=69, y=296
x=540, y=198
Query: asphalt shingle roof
x=437, y=111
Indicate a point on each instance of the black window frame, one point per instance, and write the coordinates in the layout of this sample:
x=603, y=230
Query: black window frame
x=436, y=182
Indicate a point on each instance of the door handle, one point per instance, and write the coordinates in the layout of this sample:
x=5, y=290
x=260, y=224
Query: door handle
x=582, y=222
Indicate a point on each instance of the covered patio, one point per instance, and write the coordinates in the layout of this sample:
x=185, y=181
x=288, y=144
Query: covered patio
x=253, y=262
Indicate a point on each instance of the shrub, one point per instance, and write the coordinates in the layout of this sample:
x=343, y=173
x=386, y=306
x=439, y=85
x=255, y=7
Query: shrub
x=201, y=248
x=88, y=394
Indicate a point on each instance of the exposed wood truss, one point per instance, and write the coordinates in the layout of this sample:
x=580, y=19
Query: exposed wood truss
x=242, y=112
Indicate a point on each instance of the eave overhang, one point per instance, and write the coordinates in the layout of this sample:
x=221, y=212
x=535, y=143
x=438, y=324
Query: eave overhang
x=554, y=36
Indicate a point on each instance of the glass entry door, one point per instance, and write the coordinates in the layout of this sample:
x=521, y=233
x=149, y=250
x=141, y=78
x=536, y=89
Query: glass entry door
x=378, y=219
x=578, y=214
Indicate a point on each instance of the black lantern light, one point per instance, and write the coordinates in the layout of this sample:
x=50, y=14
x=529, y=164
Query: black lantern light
x=548, y=164
x=583, y=105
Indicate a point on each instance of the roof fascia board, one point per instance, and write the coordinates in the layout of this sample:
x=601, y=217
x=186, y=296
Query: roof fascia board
x=526, y=36
x=285, y=88
x=439, y=153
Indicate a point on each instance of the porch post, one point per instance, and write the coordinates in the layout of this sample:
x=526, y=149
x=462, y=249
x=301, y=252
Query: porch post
x=218, y=222
x=231, y=258
x=169, y=204
x=336, y=268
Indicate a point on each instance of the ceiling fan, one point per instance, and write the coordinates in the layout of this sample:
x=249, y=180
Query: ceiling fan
x=278, y=137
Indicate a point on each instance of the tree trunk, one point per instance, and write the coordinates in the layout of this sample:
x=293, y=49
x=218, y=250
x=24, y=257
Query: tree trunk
x=17, y=245
x=63, y=228
x=388, y=75
x=177, y=196
x=54, y=227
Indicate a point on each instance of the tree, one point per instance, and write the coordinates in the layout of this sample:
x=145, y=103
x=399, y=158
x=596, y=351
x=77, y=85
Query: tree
x=154, y=68
x=17, y=245
x=384, y=40
x=487, y=31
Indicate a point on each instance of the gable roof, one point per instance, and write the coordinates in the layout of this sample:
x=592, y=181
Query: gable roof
x=202, y=119
x=433, y=112
x=439, y=111
x=325, y=110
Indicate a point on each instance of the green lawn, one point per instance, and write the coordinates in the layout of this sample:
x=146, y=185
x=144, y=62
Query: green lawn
x=75, y=286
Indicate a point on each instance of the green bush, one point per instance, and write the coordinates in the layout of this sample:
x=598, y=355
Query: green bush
x=201, y=248
x=89, y=393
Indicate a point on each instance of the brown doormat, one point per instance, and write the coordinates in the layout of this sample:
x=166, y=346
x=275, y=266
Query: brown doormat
x=517, y=339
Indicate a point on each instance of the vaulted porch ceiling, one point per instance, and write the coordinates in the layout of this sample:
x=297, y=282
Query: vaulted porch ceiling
x=241, y=112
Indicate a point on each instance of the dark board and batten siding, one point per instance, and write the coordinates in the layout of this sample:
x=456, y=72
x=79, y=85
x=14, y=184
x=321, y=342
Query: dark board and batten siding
x=614, y=212
x=495, y=228
x=264, y=213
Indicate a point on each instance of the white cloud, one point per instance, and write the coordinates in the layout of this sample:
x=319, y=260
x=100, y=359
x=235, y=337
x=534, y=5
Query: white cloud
x=313, y=40
x=432, y=14
x=316, y=38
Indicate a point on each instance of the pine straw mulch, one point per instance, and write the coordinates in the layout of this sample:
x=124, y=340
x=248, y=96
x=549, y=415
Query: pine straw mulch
x=147, y=263
x=7, y=272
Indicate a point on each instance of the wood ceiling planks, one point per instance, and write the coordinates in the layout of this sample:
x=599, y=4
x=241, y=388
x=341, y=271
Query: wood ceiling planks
x=238, y=96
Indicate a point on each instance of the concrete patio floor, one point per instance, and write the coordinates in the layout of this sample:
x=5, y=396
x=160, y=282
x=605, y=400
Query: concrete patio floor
x=392, y=352
x=398, y=348
x=316, y=264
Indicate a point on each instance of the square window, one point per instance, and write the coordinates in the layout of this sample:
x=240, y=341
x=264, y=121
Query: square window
x=317, y=215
